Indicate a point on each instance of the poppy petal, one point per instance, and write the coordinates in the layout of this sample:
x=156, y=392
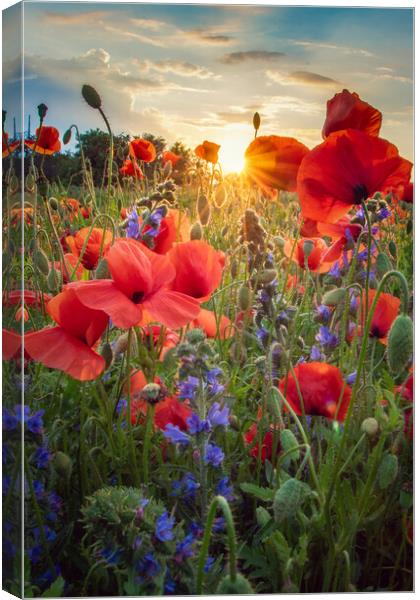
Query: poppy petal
x=172, y=308
x=11, y=342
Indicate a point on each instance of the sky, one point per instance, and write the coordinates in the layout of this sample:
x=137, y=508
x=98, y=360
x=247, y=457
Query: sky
x=196, y=72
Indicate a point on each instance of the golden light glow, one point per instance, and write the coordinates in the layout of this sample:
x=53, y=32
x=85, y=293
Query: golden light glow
x=231, y=153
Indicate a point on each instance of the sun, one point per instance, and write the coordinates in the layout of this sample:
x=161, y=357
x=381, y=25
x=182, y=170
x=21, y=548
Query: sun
x=231, y=154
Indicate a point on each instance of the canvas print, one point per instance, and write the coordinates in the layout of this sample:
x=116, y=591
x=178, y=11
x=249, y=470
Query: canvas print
x=207, y=299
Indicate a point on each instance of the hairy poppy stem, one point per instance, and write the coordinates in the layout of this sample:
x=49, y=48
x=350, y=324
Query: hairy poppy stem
x=220, y=502
x=111, y=152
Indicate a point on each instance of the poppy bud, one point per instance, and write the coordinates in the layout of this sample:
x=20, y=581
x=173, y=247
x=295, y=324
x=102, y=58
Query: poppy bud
x=102, y=270
x=244, y=297
x=53, y=279
x=42, y=111
x=289, y=498
x=392, y=249
x=67, y=136
x=196, y=231
x=267, y=276
x=106, y=353
x=203, y=209
x=234, y=268
x=152, y=393
x=53, y=203
x=30, y=182
x=288, y=442
x=256, y=121
x=41, y=261
x=383, y=264
x=121, y=344
x=240, y=585
x=333, y=297
x=43, y=187
x=13, y=184
x=388, y=470
x=279, y=241
x=220, y=196
x=370, y=426
x=400, y=343
x=91, y=96
x=63, y=464
x=4, y=116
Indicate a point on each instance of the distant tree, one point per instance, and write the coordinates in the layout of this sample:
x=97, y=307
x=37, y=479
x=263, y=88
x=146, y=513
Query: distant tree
x=96, y=146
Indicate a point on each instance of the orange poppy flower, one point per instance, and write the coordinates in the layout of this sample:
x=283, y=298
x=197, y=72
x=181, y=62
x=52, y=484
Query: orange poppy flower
x=48, y=142
x=142, y=150
x=91, y=254
x=386, y=311
x=315, y=258
x=11, y=344
x=348, y=167
x=273, y=161
x=174, y=227
x=74, y=207
x=321, y=386
x=208, y=151
x=170, y=157
x=8, y=147
x=206, y=320
x=131, y=169
x=140, y=282
x=198, y=268
x=69, y=346
x=292, y=283
x=347, y=111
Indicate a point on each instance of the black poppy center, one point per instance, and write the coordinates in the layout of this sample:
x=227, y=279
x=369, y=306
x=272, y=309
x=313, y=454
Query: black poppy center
x=360, y=193
x=137, y=297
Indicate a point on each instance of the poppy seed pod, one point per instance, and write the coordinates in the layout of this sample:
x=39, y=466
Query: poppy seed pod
x=240, y=585
x=400, y=343
x=196, y=231
x=152, y=393
x=91, y=96
x=370, y=426
x=308, y=246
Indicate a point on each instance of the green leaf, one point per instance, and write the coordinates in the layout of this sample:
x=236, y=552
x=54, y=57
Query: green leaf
x=55, y=590
x=264, y=494
x=387, y=471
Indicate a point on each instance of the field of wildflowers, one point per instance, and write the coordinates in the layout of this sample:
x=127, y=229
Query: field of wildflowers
x=217, y=370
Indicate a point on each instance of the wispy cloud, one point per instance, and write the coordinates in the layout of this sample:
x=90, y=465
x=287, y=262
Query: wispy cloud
x=301, y=78
x=144, y=39
x=327, y=46
x=234, y=58
x=80, y=18
x=209, y=37
x=176, y=67
x=152, y=24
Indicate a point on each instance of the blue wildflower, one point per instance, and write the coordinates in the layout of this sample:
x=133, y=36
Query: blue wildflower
x=34, y=422
x=196, y=425
x=224, y=489
x=185, y=487
x=111, y=556
x=213, y=455
x=316, y=353
x=184, y=549
x=35, y=553
x=351, y=378
x=41, y=457
x=169, y=584
x=262, y=335
x=149, y=565
x=383, y=213
x=326, y=338
x=175, y=435
x=164, y=526
x=323, y=313
x=209, y=564
x=133, y=228
x=335, y=271
x=188, y=387
x=219, y=524
x=10, y=421
x=218, y=416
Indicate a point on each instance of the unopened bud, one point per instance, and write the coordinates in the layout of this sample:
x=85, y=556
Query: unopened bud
x=53, y=204
x=244, y=297
x=42, y=111
x=91, y=96
x=203, y=209
x=400, y=343
x=370, y=426
x=41, y=261
x=63, y=464
x=308, y=246
x=196, y=231
x=106, y=353
x=67, y=136
x=256, y=121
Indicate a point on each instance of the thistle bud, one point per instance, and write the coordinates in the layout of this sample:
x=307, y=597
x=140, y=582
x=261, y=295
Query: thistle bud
x=91, y=96
x=42, y=111
x=203, y=209
x=244, y=297
x=256, y=121
x=400, y=343
x=102, y=270
x=370, y=426
x=67, y=136
x=41, y=261
x=196, y=231
x=106, y=353
x=240, y=585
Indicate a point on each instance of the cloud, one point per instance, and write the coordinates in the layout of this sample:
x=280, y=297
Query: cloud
x=144, y=39
x=151, y=24
x=301, y=78
x=326, y=46
x=398, y=78
x=177, y=67
x=79, y=18
x=208, y=37
x=234, y=58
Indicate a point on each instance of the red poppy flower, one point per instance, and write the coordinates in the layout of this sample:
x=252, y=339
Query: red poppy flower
x=267, y=441
x=315, y=258
x=140, y=282
x=70, y=262
x=158, y=336
x=386, y=311
x=8, y=147
x=21, y=313
x=131, y=169
x=273, y=161
x=208, y=151
x=214, y=328
x=92, y=252
x=406, y=390
x=347, y=111
x=69, y=346
x=321, y=386
x=142, y=150
x=174, y=227
x=170, y=157
x=170, y=410
x=405, y=193
x=348, y=167
x=11, y=344
x=293, y=283
x=74, y=207
x=48, y=142
x=198, y=268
